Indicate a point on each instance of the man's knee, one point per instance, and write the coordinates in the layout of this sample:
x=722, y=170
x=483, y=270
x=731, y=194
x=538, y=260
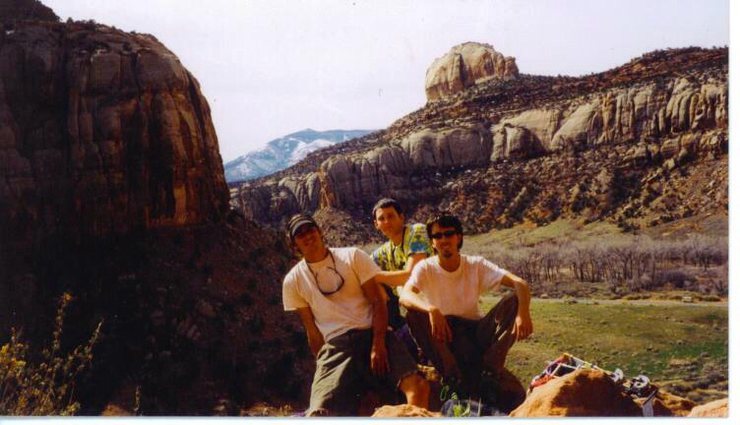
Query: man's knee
x=509, y=304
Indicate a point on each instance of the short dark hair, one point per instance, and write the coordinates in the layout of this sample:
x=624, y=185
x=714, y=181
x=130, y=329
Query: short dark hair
x=445, y=219
x=385, y=203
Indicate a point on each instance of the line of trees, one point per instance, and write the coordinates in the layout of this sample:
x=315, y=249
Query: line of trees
x=640, y=264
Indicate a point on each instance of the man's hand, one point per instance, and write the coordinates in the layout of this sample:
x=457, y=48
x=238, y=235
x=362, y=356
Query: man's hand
x=440, y=328
x=379, y=358
x=523, y=326
x=315, y=341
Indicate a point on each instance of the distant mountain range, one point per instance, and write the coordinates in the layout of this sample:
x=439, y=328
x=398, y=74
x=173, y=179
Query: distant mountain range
x=283, y=152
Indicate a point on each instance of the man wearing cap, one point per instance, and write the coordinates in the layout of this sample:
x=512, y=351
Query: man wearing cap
x=407, y=245
x=342, y=308
x=467, y=348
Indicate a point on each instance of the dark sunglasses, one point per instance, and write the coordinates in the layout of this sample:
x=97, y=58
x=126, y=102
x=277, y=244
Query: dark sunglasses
x=334, y=270
x=447, y=234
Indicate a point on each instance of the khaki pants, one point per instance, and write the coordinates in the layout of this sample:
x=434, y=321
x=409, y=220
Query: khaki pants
x=343, y=372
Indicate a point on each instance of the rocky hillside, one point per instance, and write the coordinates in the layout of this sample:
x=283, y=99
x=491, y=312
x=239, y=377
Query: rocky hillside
x=112, y=189
x=284, y=152
x=640, y=144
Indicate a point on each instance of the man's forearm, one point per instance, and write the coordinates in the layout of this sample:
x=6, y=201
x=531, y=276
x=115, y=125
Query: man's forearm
x=314, y=336
x=374, y=294
x=410, y=299
x=395, y=278
x=523, y=296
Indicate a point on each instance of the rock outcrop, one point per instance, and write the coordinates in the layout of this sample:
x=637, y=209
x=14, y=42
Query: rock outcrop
x=404, y=411
x=714, y=409
x=584, y=392
x=112, y=189
x=608, y=146
x=101, y=133
x=466, y=65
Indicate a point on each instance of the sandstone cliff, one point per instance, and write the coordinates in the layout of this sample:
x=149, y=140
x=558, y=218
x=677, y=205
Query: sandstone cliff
x=641, y=144
x=102, y=132
x=112, y=189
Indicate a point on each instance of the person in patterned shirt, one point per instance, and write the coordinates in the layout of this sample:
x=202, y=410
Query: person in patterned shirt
x=407, y=245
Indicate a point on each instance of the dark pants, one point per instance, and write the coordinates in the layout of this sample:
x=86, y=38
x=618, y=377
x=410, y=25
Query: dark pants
x=478, y=347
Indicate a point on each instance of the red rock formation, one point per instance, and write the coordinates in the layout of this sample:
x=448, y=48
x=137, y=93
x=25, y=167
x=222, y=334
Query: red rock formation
x=582, y=393
x=112, y=188
x=102, y=132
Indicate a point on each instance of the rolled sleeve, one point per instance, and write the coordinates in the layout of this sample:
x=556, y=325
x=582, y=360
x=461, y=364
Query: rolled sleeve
x=364, y=266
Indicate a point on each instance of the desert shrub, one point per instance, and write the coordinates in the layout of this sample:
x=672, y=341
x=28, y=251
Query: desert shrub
x=677, y=278
x=47, y=387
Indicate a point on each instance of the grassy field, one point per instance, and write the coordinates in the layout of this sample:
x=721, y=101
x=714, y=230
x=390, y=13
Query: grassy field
x=681, y=347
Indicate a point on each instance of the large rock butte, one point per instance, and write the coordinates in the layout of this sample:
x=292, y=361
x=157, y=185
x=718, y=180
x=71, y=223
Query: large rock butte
x=112, y=189
x=101, y=132
x=465, y=65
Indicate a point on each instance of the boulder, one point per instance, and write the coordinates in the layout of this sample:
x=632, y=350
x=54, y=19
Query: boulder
x=466, y=65
x=585, y=392
x=714, y=409
x=404, y=411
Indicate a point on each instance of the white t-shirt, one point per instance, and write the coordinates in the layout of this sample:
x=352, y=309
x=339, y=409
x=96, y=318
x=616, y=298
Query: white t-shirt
x=455, y=293
x=343, y=310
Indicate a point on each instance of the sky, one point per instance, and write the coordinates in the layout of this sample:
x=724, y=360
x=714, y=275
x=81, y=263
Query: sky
x=274, y=67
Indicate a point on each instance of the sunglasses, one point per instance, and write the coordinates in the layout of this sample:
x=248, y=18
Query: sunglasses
x=446, y=234
x=338, y=284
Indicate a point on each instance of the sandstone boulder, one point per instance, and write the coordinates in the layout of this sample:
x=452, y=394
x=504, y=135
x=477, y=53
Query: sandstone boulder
x=714, y=409
x=585, y=392
x=404, y=411
x=465, y=65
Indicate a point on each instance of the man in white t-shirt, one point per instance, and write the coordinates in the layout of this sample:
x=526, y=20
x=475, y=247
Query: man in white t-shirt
x=468, y=348
x=343, y=310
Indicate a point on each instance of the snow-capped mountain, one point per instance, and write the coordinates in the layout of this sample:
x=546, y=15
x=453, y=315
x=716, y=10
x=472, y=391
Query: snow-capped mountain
x=283, y=152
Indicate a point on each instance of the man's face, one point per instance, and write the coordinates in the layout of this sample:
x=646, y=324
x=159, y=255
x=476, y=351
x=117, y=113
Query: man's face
x=388, y=221
x=308, y=239
x=445, y=240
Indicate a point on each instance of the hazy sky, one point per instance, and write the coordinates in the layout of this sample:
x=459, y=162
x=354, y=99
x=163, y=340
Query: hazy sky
x=269, y=68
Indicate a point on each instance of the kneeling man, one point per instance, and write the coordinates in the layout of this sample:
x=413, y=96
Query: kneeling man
x=344, y=312
x=468, y=348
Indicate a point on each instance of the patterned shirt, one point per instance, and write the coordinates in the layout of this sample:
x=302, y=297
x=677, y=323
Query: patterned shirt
x=391, y=257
